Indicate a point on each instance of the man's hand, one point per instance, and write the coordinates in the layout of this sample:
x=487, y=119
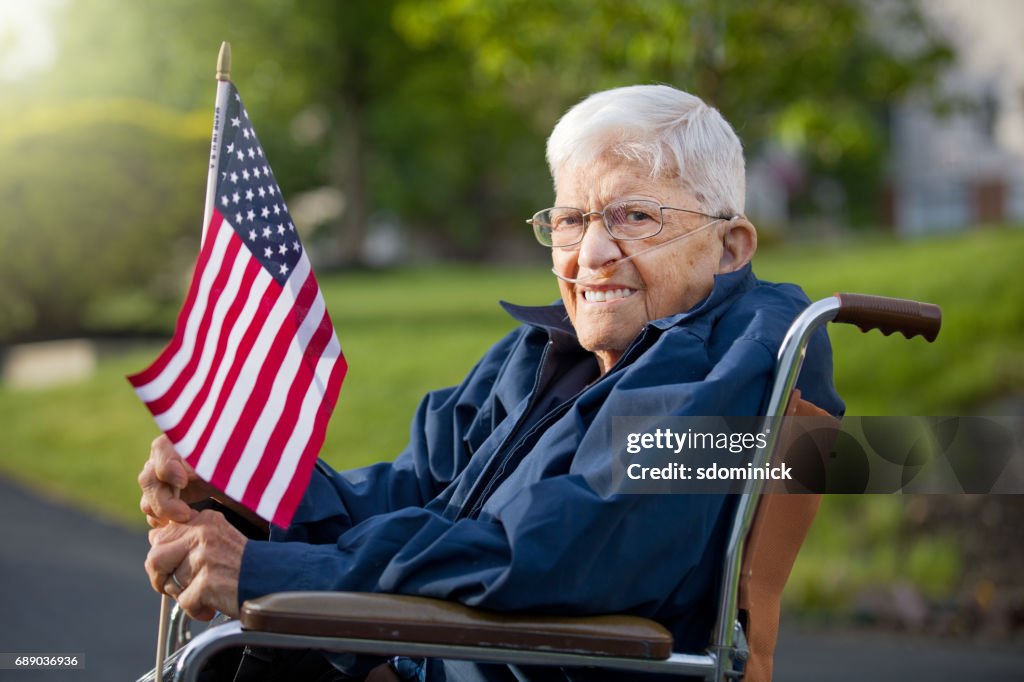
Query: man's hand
x=205, y=558
x=169, y=485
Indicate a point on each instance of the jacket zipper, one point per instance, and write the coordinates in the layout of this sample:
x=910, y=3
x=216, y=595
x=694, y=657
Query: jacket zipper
x=469, y=506
x=480, y=494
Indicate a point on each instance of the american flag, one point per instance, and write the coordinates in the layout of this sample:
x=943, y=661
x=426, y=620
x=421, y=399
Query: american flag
x=247, y=384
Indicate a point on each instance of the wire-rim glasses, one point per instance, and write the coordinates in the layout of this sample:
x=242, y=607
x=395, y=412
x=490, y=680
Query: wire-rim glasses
x=625, y=220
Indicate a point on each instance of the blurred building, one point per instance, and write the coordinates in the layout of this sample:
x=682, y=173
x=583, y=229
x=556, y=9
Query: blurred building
x=944, y=172
x=967, y=168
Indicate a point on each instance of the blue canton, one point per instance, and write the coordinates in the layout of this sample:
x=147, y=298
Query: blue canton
x=249, y=198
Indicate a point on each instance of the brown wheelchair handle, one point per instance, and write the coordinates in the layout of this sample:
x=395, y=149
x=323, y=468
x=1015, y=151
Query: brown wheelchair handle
x=888, y=315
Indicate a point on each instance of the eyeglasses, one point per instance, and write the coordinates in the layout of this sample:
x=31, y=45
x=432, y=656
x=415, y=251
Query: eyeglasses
x=625, y=220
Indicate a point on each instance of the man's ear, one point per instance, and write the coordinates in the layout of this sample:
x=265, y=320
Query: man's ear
x=739, y=242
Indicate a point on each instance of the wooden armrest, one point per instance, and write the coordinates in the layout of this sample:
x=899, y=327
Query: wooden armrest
x=432, y=621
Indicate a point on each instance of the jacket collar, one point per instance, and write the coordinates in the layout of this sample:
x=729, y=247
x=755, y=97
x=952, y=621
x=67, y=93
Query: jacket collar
x=725, y=286
x=555, y=319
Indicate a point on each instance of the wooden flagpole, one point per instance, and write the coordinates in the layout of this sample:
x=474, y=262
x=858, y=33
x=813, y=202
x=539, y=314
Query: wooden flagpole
x=220, y=109
x=219, y=114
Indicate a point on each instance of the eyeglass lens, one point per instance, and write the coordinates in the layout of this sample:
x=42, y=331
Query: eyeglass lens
x=628, y=219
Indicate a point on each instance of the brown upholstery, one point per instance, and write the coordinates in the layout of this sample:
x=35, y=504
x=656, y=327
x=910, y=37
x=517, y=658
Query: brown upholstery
x=779, y=528
x=419, y=619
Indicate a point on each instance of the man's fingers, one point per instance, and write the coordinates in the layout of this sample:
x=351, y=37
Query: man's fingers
x=168, y=532
x=162, y=503
x=168, y=465
x=162, y=479
x=193, y=599
x=198, y=564
x=167, y=553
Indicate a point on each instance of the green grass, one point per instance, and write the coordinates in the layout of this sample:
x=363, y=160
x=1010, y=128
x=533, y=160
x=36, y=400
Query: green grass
x=859, y=543
x=409, y=331
x=976, y=278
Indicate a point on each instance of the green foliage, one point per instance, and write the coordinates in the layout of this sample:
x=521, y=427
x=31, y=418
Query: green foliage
x=338, y=98
x=95, y=236
x=814, y=77
x=434, y=112
x=974, y=278
x=858, y=543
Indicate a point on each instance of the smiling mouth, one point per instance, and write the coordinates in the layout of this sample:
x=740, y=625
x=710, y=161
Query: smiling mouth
x=606, y=295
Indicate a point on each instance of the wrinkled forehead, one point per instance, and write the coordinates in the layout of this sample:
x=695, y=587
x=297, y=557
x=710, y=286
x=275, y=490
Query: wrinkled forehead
x=612, y=176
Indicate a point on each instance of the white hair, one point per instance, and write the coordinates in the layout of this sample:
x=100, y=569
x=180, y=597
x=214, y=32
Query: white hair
x=673, y=132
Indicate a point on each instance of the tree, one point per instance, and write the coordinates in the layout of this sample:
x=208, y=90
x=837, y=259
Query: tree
x=394, y=126
x=435, y=111
x=96, y=237
x=814, y=76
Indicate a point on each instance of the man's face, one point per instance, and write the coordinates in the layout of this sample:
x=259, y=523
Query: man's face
x=608, y=312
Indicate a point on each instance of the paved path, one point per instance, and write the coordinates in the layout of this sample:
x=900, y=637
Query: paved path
x=71, y=584
x=859, y=656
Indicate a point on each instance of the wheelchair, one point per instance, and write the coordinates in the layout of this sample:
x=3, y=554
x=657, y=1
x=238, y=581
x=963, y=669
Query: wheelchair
x=765, y=536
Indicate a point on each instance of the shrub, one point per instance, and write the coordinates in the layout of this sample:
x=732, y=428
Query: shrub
x=102, y=211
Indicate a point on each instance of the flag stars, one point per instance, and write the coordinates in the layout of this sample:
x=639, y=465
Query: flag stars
x=247, y=186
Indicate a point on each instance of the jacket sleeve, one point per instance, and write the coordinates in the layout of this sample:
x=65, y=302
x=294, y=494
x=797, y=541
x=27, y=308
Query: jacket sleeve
x=441, y=442
x=557, y=545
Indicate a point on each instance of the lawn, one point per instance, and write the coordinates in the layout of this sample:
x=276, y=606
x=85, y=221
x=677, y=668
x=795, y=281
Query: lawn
x=406, y=332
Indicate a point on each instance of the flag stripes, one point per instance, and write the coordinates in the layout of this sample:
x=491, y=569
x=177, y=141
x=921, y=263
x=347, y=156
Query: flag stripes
x=247, y=384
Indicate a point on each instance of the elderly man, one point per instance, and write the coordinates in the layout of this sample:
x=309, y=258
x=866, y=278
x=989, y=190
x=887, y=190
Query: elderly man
x=490, y=503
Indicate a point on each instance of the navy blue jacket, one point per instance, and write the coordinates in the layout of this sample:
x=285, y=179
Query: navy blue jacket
x=485, y=510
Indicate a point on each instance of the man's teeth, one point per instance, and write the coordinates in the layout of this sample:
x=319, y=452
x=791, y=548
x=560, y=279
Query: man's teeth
x=607, y=294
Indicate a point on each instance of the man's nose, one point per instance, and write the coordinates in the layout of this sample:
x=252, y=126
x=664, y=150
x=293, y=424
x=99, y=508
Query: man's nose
x=597, y=248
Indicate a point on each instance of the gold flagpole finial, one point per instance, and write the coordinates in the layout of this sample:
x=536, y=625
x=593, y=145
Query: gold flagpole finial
x=224, y=62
